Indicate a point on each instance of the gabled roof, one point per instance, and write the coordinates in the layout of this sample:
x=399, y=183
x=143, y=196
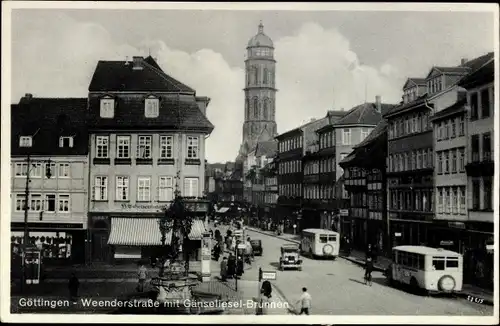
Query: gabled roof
x=121, y=76
x=364, y=114
x=464, y=68
x=483, y=75
x=266, y=148
x=449, y=70
x=406, y=106
x=48, y=119
x=174, y=113
x=414, y=81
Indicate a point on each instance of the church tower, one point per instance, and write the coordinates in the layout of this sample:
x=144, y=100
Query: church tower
x=260, y=92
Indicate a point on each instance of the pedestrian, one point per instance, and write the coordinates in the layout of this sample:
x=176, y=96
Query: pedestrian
x=142, y=273
x=369, y=251
x=248, y=251
x=223, y=269
x=264, y=298
x=305, y=302
x=73, y=286
x=231, y=266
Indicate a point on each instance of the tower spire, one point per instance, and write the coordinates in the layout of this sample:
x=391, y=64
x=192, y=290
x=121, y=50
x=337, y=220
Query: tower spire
x=261, y=28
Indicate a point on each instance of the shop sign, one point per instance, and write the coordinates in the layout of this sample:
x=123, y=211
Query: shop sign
x=446, y=243
x=143, y=206
x=268, y=275
x=397, y=234
x=458, y=225
x=344, y=212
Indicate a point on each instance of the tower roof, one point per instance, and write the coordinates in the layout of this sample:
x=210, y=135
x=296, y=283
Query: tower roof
x=260, y=39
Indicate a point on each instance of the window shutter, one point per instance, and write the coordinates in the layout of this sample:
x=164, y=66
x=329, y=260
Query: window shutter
x=70, y=141
x=61, y=142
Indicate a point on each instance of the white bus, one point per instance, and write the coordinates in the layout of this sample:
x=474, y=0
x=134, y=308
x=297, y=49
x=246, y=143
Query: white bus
x=320, y=243
x=432, y=269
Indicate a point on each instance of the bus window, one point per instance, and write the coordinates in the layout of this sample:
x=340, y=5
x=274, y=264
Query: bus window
x=332, y=238
x=438, y=263
x=323, y=238
x=421, y=262
x=451, y=262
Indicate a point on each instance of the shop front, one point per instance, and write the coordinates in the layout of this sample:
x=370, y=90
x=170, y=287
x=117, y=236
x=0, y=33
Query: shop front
x=59, y=243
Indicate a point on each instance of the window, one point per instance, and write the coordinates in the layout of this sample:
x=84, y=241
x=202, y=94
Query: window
x=65, y=142
x=475, y=148
x=440, y=162
x=419, y=159
x=461, y=126
x=453, y=129
x=63, y=170
x=485, y=103
x=152, y=108
x=364, y=133
x=487, y=147
x=166, y=189
x=144, y=189
x=36, y=202
x=455, y=200
x=63, y=203
x=107, y=108
x=453, y=161
x=122, y=186
x=36, y=170
x=144, y=147
x=462, y=199
x=255, y=108
x=25, y=141
x=192, y=147
x=446, y=161
x=447, y=130
x=102, y=146
x=430, y=162
x=346, y=137
x=123, y=146
x=50, y=203
x=20, y=202
x=439, y=131
x=166, y=146
x=21, y=169
x=475, y=194
x=438, y=263
x=191, y=187
x=451, y=262
x=473, y=103
x=487, y=194
x=440, y=200
x=101, y=188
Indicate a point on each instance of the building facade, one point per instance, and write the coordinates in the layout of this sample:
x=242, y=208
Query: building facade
x=478, y=238
x=260, y=93
x=147, y=139
x=52, y=132
x=270, y=190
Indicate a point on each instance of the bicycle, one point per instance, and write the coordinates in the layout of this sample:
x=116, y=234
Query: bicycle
x=368, y=279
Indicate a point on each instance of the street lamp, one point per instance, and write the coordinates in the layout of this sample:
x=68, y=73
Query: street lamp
x=48, y=174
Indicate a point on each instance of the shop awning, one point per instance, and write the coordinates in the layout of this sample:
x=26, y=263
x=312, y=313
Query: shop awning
x=222, y=209
x=145, y=232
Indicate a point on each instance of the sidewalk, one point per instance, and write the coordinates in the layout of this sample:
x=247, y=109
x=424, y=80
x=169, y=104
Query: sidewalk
x=358, y=257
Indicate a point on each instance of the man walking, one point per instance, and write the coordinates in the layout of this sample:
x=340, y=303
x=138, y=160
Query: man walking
x=223, y=269
x=142, y=273
x=305, y=302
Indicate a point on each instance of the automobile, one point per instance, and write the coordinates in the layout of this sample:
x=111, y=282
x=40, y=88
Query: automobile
x=290, y=257
x=256, y=247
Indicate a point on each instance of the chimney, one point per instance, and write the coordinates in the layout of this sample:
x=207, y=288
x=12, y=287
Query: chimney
x=126, y=61
x=28, y=96
x=463, y=61
x=378, y=104
x=137, y=63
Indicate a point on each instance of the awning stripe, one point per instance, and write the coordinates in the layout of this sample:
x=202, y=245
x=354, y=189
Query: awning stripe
x=145, y=232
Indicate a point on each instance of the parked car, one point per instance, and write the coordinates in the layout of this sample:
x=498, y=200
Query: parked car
x=256, y=247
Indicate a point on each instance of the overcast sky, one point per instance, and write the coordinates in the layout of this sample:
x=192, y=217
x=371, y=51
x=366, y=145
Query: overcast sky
x=54, y=53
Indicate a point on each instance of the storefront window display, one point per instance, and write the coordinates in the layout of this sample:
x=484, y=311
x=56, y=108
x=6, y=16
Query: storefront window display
x=52, y=244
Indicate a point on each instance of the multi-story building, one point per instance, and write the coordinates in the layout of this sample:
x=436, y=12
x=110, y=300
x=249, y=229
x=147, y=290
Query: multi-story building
x=292, y=146
x=264, y=152
x=411, y=152
x=337, y=140
x=50, y=134
x=270, y=189
x=147, y=140
x=478, y=238
x=364, y=173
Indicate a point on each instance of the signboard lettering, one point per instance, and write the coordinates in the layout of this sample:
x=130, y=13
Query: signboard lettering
x=143, y=206
x=344, y=212
x=268, y=275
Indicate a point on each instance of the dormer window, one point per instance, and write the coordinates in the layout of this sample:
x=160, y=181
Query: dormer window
x=25, y=141
x=107, y=108
x=66, y=141
x=152, y=108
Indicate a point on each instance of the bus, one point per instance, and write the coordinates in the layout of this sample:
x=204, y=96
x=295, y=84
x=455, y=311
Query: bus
x=320, y=243
x=431, y=269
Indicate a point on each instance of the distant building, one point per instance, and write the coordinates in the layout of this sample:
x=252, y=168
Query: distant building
x=50, y=129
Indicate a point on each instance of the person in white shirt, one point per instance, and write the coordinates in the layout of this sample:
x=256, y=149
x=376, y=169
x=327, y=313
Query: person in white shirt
x=305, y=302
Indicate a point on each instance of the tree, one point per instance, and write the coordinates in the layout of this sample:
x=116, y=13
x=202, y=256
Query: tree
x=178, y=220
x=252, y=174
